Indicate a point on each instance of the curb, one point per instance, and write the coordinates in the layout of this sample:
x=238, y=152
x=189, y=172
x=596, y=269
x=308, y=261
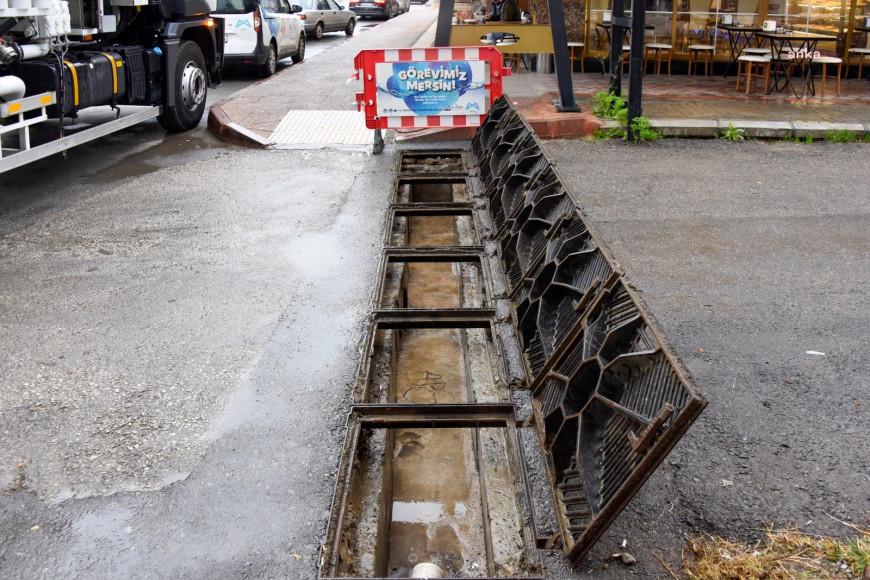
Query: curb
x=711, y=128
x=225, y=129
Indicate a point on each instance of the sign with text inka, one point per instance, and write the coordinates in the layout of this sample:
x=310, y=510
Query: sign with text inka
x=430, y=88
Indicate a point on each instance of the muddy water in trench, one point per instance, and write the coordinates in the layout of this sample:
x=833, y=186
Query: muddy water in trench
x=437, y=515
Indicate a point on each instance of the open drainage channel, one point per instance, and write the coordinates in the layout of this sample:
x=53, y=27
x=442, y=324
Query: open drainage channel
x=494, y=289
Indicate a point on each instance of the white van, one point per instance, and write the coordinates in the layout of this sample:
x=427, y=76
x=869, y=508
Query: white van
x=258, y=33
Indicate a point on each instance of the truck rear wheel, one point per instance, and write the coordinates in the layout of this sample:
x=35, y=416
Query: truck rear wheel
x=191, y=88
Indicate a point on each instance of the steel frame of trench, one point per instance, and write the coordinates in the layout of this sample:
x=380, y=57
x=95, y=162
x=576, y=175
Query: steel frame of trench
x=391, y=416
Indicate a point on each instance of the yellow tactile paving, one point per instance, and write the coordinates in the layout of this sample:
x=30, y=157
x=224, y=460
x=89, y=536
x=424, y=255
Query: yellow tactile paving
x=322, y=128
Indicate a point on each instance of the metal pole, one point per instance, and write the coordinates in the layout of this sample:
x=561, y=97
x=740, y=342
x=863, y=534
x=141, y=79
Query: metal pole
x=635, y=70
x=445, y=18
x=378, y=147
x=560, y=57
x=618, y=23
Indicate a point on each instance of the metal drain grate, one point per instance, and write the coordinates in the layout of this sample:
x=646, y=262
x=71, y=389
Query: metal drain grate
x=610, y=398
x=322, y=128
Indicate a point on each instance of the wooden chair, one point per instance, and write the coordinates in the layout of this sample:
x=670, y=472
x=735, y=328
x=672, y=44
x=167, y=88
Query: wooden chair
x=701, y=54
x=757, y=51
x=657, y=48
x=749, y=65
x=575, y=48
x=825, y=61
x=861, y=54
x=512, y=60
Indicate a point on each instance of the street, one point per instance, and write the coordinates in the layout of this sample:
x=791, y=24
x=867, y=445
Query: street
x=182, y=320
x=138, y=150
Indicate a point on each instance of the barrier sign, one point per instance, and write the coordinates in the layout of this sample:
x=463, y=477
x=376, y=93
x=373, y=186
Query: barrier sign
x=428, y=87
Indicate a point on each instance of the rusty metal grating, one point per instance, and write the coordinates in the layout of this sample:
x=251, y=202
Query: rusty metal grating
x=610, y=396
x=439, y=162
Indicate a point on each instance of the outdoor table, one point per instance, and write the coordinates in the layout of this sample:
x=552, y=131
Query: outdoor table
x=739, y=37
x=606, y=26
x=799, y=46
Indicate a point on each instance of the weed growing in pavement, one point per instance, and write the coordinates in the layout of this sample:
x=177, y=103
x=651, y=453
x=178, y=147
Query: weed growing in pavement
x=608, y=106
x=733, y=133
x=781, y=554
x=808, y=140
x=841, y=136
x=866, y=138
x=642, y=131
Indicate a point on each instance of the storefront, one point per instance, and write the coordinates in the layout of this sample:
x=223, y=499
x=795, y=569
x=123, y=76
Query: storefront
x=685, y=22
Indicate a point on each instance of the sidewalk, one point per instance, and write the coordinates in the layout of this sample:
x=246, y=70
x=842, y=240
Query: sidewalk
x=313, y=103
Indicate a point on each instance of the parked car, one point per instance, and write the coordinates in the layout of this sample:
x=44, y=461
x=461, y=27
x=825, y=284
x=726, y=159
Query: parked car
x=258, y=33
x=384, y=8
x=321, y=16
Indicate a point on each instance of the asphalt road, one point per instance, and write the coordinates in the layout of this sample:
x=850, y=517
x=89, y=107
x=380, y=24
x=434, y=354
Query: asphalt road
x=175, y=367
x=177, y=358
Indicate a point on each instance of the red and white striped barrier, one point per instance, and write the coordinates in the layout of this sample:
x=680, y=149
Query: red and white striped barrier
x=428, y=87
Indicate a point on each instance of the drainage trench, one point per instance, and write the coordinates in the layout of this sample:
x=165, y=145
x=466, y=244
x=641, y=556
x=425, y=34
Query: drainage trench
x=444, y=491
x=495, y=288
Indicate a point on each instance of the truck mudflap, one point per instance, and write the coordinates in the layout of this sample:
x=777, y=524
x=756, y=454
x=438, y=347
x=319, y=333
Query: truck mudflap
x=26, y=152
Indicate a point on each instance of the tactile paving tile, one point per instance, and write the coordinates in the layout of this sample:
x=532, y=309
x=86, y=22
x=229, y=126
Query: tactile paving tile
x=322, y=128
x=428, y=37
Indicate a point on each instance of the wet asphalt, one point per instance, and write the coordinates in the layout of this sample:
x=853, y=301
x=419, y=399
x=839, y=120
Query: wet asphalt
x=176, y=368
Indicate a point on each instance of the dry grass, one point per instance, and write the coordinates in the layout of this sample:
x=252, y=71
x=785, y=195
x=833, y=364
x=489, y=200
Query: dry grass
x=780, y=555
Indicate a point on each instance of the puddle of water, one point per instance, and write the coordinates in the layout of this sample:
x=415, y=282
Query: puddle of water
x=436, y=466
x=417, y=512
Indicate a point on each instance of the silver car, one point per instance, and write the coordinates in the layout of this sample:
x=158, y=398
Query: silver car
x=321, y=16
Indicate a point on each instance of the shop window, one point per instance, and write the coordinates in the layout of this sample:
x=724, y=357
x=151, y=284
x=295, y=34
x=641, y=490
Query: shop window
x=817, y=16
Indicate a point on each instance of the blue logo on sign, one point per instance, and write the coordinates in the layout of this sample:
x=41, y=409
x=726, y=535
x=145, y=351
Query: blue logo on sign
x=473, y=106
x=244, y=22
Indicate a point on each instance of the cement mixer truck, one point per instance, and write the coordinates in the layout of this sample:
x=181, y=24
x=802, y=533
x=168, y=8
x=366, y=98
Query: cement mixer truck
x=137, y=59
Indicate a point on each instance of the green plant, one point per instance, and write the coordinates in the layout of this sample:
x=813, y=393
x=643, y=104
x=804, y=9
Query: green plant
x=610, y=106
x=607, y=134
x=641, y=130
x=733, y=133
x=607, y=105
x=866, y=138
x=841, y=136
x=808, y=140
